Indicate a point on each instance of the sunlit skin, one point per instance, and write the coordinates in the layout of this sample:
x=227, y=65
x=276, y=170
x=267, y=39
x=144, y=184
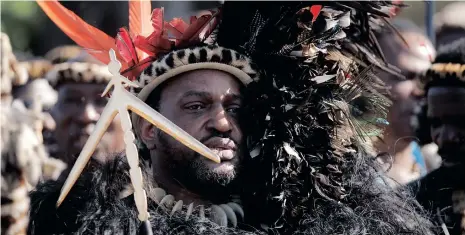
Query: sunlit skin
x=412, y=59
x=77, y=111
x=204, y=103
x=446, y=114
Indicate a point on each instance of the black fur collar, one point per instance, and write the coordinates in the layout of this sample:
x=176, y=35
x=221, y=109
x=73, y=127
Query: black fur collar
x=93, y=207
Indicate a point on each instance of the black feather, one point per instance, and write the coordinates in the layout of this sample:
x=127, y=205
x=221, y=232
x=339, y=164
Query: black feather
x=328, y=187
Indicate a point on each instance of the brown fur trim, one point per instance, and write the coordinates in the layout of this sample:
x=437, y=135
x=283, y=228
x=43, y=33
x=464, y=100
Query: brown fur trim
x=78, y=72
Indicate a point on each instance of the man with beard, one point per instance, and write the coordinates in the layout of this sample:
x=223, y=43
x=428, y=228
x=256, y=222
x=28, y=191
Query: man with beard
x=79, y=80
x=412, y=53
x=442, y=192
x=276, y=95
x=204, y=103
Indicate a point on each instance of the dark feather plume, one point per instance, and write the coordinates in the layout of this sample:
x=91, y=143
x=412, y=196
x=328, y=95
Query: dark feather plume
x=309, y=116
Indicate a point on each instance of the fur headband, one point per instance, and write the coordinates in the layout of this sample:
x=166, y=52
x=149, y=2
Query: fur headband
x=78, y=72
x=63, y=53
x=203, y=57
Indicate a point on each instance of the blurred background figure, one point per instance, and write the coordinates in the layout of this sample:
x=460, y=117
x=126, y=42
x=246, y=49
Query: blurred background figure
x=79, y=82
x=442, y=192
x=449, y=23
x=10, y=71
x=36, y=93
x=37, y=88
x=412, y=53
x=24, y=161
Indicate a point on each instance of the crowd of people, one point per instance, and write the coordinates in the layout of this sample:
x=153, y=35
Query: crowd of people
x=256, y=118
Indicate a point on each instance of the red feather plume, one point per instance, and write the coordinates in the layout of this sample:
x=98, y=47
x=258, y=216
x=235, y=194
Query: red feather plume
x=130, y=45
x=126, y=47
x=177, y=27
x=315, y=10
x=157, y=21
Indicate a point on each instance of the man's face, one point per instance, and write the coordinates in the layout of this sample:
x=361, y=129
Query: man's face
x=204, y=103
x=405, y=96
x=77, y=111
x=411, y=60
x=446, y=113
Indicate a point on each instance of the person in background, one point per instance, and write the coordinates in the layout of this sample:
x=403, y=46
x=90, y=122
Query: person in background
x=449, y=23
x=412, y=53
x=37, y=87
x=442, y=191
x=24, y=161
x=79, y=82
x=37, y=93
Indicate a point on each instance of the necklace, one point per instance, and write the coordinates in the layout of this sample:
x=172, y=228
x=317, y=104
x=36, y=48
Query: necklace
x=220, y=214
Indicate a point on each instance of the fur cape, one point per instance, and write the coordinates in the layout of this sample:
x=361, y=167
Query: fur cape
x=94, y=207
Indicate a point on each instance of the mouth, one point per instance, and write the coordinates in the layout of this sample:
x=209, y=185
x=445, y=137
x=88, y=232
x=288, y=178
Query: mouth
x=224, y=154
x=223, y=147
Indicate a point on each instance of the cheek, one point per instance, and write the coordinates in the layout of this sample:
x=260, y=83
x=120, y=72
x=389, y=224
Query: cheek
x=192, y=124
x=115, y=126
x=61, y=116
x=237, y=132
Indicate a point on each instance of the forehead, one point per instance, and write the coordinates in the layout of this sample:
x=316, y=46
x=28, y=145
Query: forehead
x=211, y=81
x=81, y=88
x=446, y=101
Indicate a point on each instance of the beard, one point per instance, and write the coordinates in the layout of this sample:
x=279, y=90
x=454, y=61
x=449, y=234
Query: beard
x=194, y=170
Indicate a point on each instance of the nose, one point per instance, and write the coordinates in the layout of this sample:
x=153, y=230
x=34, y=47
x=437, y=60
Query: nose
x=448, y=134
x=219, y=121
x=88, y=114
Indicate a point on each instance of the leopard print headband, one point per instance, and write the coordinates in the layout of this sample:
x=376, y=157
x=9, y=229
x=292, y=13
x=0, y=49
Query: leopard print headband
x=78, y=72
x=185, y=60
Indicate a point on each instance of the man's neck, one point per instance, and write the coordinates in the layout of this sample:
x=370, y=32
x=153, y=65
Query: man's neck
x=166, y=181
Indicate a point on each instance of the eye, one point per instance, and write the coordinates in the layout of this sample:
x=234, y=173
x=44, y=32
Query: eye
x=194, y=106
x=234, y=109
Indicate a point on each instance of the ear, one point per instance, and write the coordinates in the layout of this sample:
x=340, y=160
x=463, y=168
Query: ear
x=148, y=133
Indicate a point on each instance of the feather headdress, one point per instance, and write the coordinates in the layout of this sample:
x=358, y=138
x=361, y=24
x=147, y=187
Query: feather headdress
x=148, y=37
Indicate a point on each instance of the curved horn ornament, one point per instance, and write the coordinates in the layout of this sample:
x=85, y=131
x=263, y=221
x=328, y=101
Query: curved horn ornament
x=120, y=102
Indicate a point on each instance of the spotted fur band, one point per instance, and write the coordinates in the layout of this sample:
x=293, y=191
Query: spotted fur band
x=78, y=72
x=446, y=70
x=185, y=60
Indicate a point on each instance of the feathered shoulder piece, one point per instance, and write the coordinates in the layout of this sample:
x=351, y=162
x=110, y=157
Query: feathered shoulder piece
x=313, y=111
x=148, y=36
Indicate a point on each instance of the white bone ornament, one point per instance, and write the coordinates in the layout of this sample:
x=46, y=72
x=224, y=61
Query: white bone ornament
x=120, y=102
